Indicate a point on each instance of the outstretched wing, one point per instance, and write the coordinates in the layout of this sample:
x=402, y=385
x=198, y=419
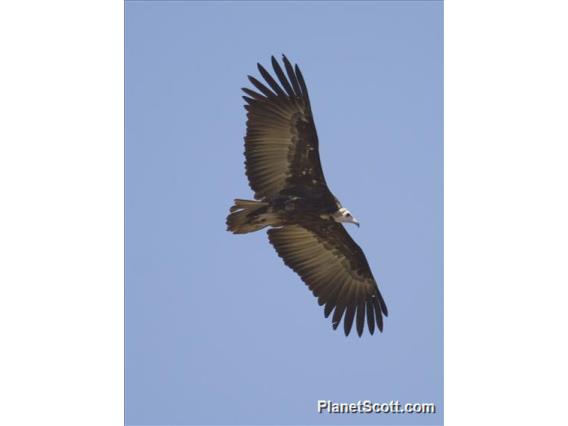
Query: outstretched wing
x=335, y=268
x=281, y=143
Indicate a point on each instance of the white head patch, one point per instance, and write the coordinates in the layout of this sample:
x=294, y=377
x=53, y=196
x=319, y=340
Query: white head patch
x=344, y=216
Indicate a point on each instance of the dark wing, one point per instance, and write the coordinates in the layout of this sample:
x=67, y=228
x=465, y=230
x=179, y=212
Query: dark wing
x=335, y=268
x=281, y=143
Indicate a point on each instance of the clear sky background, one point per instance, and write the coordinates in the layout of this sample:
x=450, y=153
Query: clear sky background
x=218, y=330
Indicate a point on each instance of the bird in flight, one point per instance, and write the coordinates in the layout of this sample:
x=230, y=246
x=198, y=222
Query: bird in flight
x=292, y=198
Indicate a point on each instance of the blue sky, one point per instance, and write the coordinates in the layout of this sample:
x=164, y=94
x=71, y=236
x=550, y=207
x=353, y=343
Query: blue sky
x=218, y=330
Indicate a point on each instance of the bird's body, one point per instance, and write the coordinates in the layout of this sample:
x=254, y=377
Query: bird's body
x=292, y=197
x=284, y=209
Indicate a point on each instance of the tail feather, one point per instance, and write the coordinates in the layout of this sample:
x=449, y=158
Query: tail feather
x=242, y=204
x=247, y=216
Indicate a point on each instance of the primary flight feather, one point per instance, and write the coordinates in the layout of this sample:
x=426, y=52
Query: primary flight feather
x=291, y=196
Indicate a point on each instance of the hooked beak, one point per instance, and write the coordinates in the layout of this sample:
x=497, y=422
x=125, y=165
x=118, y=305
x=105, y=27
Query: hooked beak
x=356, y=222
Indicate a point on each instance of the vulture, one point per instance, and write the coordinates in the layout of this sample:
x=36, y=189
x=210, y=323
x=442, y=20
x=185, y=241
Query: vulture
x=292, y=198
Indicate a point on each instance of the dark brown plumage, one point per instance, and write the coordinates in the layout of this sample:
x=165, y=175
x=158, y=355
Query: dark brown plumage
x=335, y=268
x=284, y=171
x=281, y=137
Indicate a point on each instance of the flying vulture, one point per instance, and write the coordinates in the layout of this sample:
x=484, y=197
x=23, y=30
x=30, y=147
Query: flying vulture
x=291, y=197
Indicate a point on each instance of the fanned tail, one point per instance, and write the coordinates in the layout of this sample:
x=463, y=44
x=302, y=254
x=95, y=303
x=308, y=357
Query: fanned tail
x=248, y=216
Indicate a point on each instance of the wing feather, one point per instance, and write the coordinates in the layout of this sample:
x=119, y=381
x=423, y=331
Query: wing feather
x=252, y=94
x=292, y=76
x=279, y=115
x=273, y=85
x=302, y=84
x=361, y=316
x=334, y=267
x=337, y=314
x=265, y=91
x=349, y=315
x=370, y=316
x=282, y=78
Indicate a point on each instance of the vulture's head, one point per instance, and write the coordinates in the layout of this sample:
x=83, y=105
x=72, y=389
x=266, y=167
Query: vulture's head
x=344, y=216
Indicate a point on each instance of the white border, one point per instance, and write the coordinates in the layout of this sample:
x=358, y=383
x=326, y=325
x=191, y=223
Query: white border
x=506, y=212
x=61, y=220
